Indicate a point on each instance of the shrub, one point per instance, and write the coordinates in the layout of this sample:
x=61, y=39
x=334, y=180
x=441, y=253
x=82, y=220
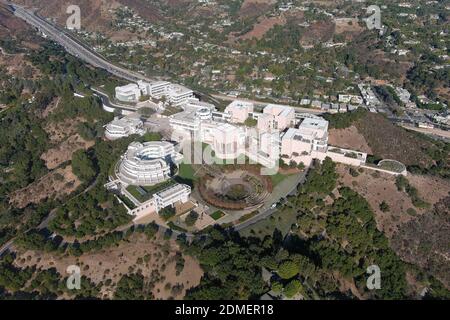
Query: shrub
x=384, y=206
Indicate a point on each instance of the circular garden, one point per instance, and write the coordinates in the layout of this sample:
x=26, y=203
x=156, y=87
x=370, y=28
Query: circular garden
x=237, y=188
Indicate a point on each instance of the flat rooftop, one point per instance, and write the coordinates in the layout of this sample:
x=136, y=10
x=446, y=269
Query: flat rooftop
x=179, y=89
x=125, y=122
x=171, y=191
x=240, y=104
x=159, y=83
x=127, y=87
x=278, y=109
x=314, y=123
x=187, y=115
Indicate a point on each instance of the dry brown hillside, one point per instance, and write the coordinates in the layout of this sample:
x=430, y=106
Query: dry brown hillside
x=375, y=134
x=389, y=141
x=255, y=8
x=95, y=14
x=9, y=22
x=153, y=258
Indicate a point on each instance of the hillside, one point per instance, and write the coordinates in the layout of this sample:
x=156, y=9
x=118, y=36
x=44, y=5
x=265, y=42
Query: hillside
x=51, y=155
x=96, y=15
x=389, y=141
x=417, y=233
x=378, y=136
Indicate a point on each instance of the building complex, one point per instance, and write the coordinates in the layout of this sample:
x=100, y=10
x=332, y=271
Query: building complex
x=278, y=132
x=176, y=94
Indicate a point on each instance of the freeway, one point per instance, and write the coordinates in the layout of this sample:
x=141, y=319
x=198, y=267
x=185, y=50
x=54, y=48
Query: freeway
x=73, y=46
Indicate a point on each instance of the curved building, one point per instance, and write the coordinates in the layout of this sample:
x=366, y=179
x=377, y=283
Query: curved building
x=148, y=163
x=204, y=114
x=119, y=128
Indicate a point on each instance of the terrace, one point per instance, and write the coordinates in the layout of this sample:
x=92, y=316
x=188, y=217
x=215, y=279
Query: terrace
x=145, y=193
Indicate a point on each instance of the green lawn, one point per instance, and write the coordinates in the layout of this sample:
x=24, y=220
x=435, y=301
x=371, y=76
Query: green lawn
x=135, y=193
x=217, y=214
x=150, y=190
x=278, y=178
x=186, y=172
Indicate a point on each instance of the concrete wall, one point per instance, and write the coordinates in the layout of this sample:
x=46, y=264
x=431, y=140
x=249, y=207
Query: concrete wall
x=144, y=209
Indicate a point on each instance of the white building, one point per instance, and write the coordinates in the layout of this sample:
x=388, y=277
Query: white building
x=124, y=127
x=274, y=134
x=347, y=98
x=226, y=140
x=128, y=93
x=160, y=200
x=174, y=93
x=172, y=195
x=310, y=141
x=147, y=163
x=179, y=95
x=299, y=143
x=196, y=104
x=155, y=89
x=185, y=124
x=276, y=117
x=403, y=94
x=239, y=111
x=368, y=95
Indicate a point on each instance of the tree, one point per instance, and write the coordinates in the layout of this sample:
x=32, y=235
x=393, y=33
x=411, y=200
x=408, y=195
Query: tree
x=130, y=287
x=83, y=167
x=305, y=266
x=167, y=213
x=277, y=287
x=292, y=164
x=191, y=218
x=288, y=269
x=292, y=288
